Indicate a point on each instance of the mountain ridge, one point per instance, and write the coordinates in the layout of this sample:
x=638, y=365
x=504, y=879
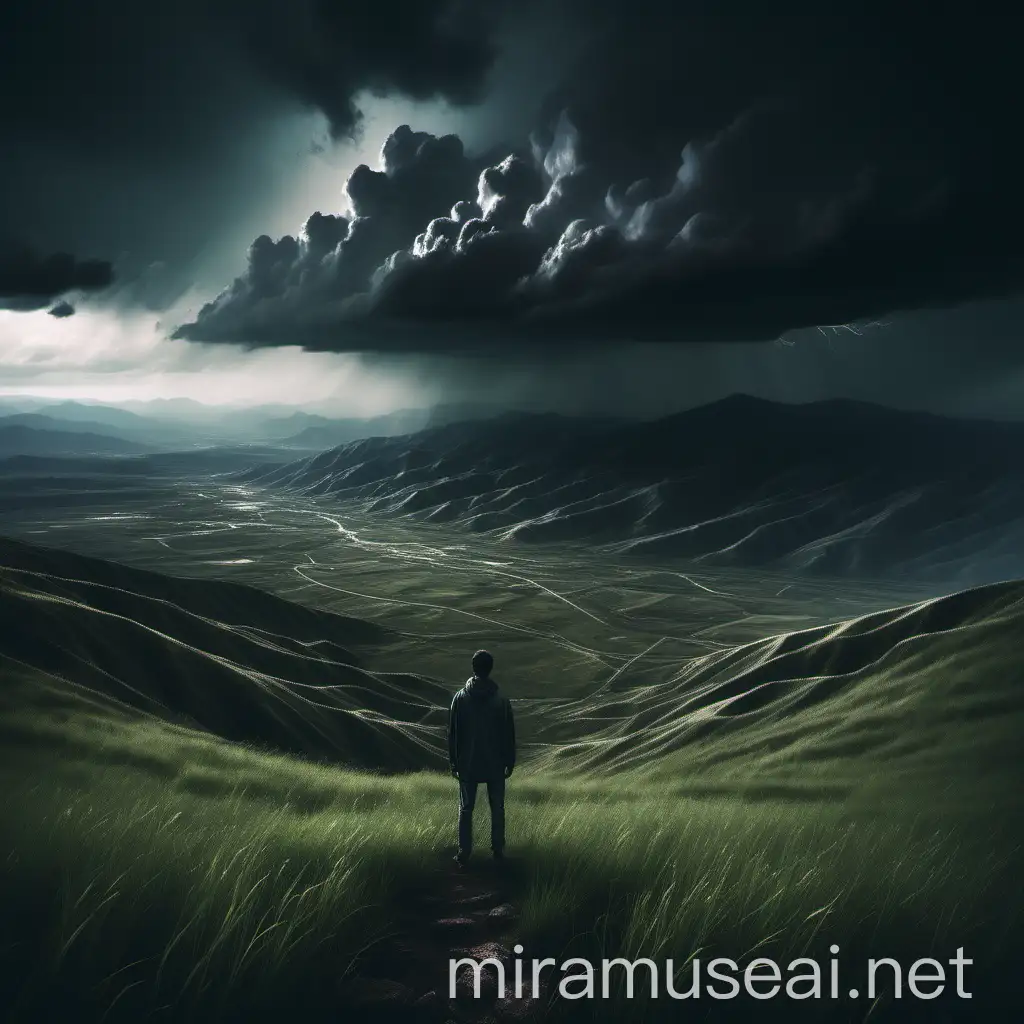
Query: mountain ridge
x=829, y=487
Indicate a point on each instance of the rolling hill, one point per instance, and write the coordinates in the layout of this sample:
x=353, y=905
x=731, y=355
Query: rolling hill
x=928, y=690
x=83, y=634
x=841, y=488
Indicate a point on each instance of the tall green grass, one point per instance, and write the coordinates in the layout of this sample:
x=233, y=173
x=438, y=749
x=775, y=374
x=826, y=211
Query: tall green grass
x=233, y=885
x=645, y=877
x=126, y=899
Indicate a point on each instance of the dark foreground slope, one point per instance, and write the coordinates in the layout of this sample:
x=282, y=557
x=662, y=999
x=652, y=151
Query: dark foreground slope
x=834, y=487
x=80, y=634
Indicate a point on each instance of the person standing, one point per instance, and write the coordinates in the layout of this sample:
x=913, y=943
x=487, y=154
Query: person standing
x=481, y=749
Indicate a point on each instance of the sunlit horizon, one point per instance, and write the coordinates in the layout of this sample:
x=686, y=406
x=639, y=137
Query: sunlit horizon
x=107, y=357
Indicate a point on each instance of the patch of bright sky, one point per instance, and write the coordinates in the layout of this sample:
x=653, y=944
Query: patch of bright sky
x=113, y=353
x=106, y=356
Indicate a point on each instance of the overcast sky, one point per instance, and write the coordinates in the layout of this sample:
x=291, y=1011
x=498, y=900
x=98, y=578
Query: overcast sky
x=617, y=205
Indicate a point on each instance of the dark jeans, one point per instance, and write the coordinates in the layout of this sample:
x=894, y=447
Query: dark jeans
x=467, y=801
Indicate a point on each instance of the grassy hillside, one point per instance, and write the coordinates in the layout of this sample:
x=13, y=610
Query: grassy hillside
x=132, y=893
x=219, y=657
x=912, y=691
x=209, y=814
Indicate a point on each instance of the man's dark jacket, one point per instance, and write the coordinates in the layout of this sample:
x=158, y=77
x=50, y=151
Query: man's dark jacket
x=481, y=731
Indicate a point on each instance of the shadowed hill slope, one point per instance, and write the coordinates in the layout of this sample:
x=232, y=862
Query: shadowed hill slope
x=834, y=487
x=219, y=657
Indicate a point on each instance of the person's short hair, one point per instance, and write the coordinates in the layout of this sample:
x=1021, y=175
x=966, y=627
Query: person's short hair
x=483, y=662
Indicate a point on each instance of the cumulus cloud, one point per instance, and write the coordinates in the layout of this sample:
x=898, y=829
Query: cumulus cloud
x=537, y=247
x=697, y=173
x=302, y=284
x=696, y=177
x=145, y=133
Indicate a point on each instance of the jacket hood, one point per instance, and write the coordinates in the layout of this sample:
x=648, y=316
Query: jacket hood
x=481, y=686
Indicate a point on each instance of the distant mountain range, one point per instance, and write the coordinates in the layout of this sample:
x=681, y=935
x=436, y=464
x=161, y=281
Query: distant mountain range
x=837, y=486
x=330, y=433
x=181, y=422
x=44, y=421
x=69, y=410
x=108, y=421
x=19, y=439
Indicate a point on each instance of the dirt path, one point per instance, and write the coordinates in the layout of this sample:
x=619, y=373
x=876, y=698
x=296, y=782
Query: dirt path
x=457, y=912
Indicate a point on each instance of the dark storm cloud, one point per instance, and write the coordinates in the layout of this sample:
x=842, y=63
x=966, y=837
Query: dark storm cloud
x=325, y=52
x=142, y=132
x=30, y=281
x=715, y=174
x=412, y=203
